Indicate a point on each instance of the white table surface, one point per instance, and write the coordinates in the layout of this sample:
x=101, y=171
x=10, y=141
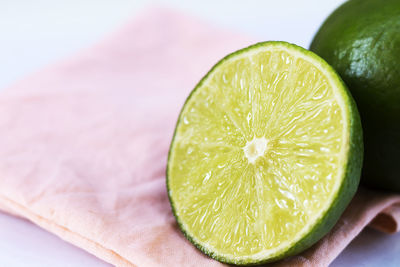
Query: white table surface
x=36, y=33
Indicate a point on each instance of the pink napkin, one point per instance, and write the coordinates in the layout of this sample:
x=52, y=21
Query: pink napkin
x=84, y=146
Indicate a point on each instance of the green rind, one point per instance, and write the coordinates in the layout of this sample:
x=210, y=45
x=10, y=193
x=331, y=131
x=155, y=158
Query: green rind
x=351, y=174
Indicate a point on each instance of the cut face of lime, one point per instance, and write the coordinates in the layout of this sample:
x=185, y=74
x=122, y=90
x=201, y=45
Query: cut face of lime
x=266, y=155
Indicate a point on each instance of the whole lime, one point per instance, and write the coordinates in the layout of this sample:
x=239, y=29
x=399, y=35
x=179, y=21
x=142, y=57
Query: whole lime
x=361, y=40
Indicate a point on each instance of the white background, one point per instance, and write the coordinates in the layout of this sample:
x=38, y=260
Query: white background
x=36, y=33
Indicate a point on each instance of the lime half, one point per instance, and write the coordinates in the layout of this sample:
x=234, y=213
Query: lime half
x=266, y=155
